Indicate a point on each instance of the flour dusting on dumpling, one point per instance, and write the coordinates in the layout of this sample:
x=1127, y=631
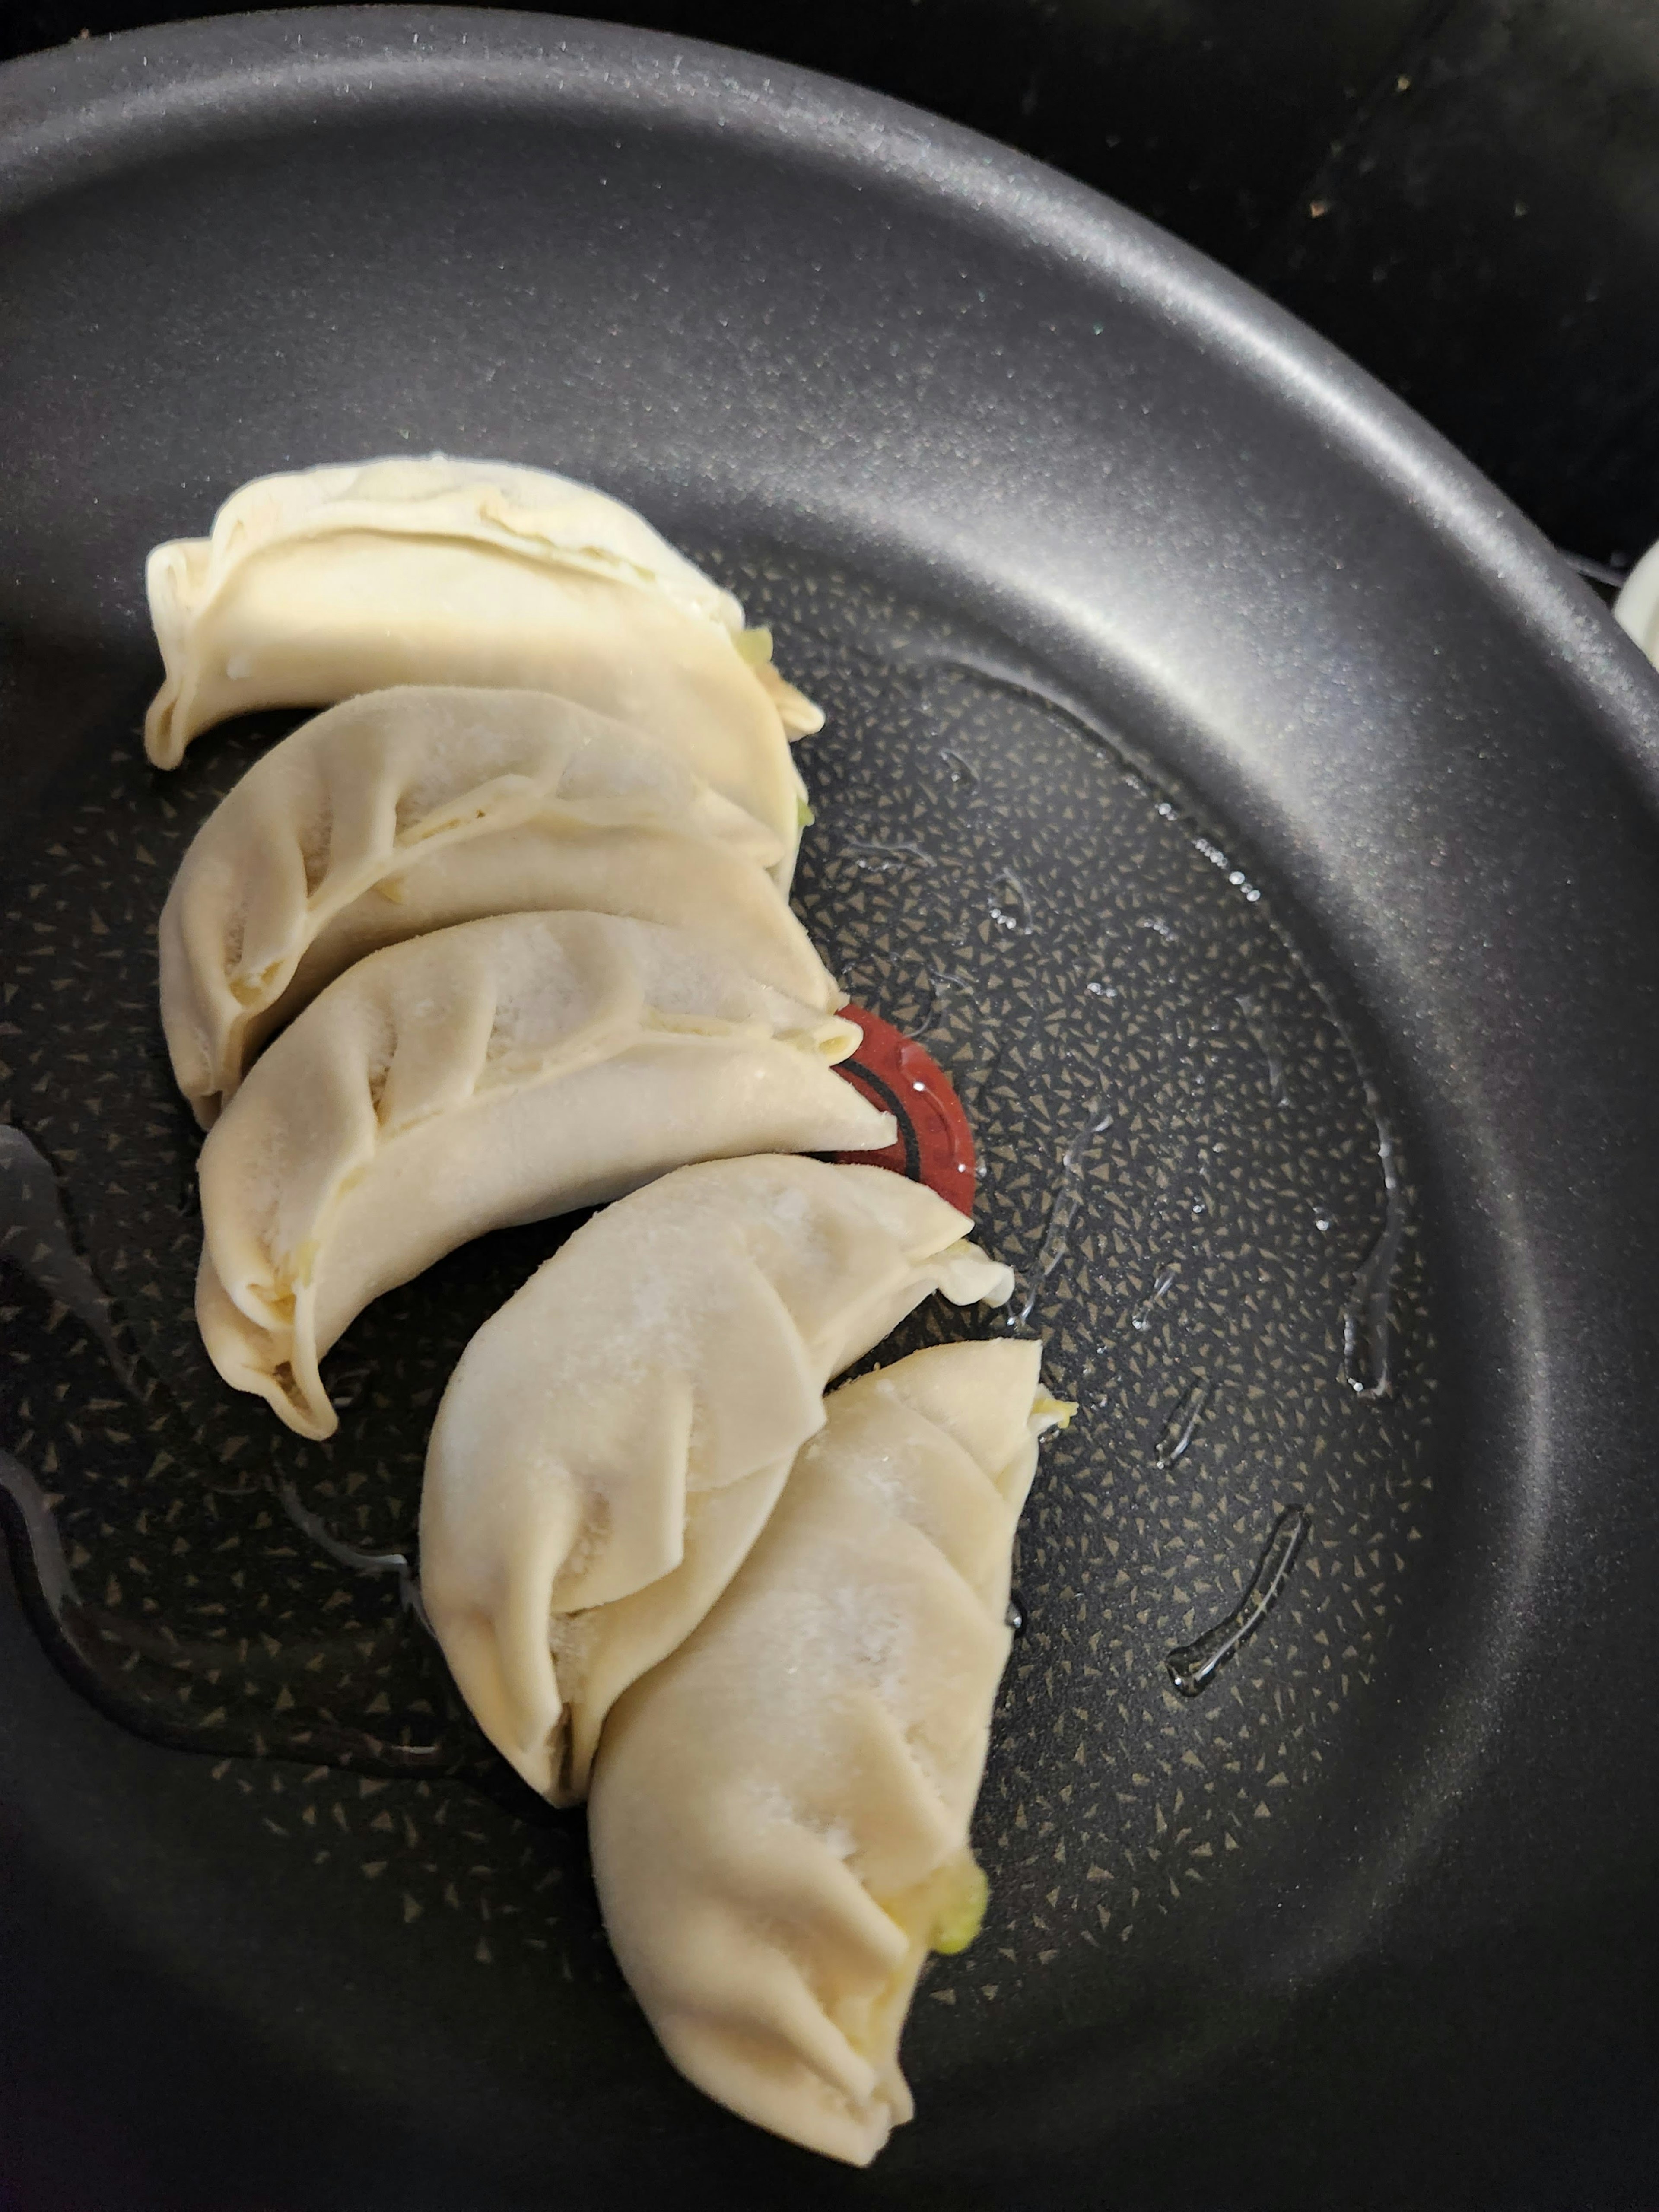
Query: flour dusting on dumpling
x=476, y=1078
x=614, y=1438
x=779, y=1808
x=317, y=585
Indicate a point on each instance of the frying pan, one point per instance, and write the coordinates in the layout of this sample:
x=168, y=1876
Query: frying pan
x=1255, y=815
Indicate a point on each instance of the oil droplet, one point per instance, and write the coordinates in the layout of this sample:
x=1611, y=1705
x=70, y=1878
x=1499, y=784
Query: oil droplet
x=1258, y=1023
x=1063, y=1204
x=1141, y=1317
x=1158, y=927
x=1099, y=990
x=879, y=859
x=347, y=1385
x=35, y=1237
x=1015, y=1615
x=349, y=1555
x=945, y=991
x=1217, y=859
x=38, y=1530
x=1100, y=1120
x=1195, y=1664
x=1367, y=1322
x=970, y=1085
x=1188, y=1410
x=166, y=1679
x=1010, y=904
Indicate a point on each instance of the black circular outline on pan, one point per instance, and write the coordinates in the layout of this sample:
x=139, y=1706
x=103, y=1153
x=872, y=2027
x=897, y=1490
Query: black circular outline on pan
x=887, y=1097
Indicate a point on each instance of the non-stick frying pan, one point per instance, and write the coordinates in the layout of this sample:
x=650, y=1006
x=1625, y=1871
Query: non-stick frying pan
x=1254, y=815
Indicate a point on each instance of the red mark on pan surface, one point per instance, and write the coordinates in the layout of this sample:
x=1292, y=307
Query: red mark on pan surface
x=935, y=1144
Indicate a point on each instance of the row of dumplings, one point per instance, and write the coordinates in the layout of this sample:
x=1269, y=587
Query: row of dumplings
x=504, y=934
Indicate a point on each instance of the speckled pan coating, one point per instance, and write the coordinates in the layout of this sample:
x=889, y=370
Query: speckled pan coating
x=774, y=311
x=1177, y=1153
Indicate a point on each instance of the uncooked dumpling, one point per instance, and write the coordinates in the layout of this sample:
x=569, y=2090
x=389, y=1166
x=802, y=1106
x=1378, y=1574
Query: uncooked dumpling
x=410, y=810
x=1636, y=609
x=780, y=1809
x=483, y=1076
x=319, y=585
x=614, y=1438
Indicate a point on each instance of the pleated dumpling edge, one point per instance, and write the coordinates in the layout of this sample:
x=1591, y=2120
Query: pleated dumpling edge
x=779, y=1810
x=614, y=1438
x=478, y=1078
x=375, y=617
x=418, y=807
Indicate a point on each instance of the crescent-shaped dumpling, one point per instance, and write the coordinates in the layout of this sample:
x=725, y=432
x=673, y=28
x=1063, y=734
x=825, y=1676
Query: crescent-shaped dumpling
x=482, y=1076
x=315, y=585
x=614, y=1438
x=407, y=811
x=779, y=1810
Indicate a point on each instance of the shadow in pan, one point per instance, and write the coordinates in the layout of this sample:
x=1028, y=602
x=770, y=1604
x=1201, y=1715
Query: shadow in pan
x=56, y=693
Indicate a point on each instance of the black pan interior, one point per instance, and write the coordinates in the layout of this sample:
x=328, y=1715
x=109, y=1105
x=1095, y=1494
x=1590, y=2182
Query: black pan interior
x=1233, y=795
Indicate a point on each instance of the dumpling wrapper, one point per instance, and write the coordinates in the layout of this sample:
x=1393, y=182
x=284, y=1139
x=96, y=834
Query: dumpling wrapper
x=414, y=809
x=1636, y=609
x=485, y=1076
x=316, y=586
x=779, y=1810
x=614, y=1438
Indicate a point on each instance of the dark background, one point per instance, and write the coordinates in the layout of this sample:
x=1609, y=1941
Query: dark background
x=1464, y=194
